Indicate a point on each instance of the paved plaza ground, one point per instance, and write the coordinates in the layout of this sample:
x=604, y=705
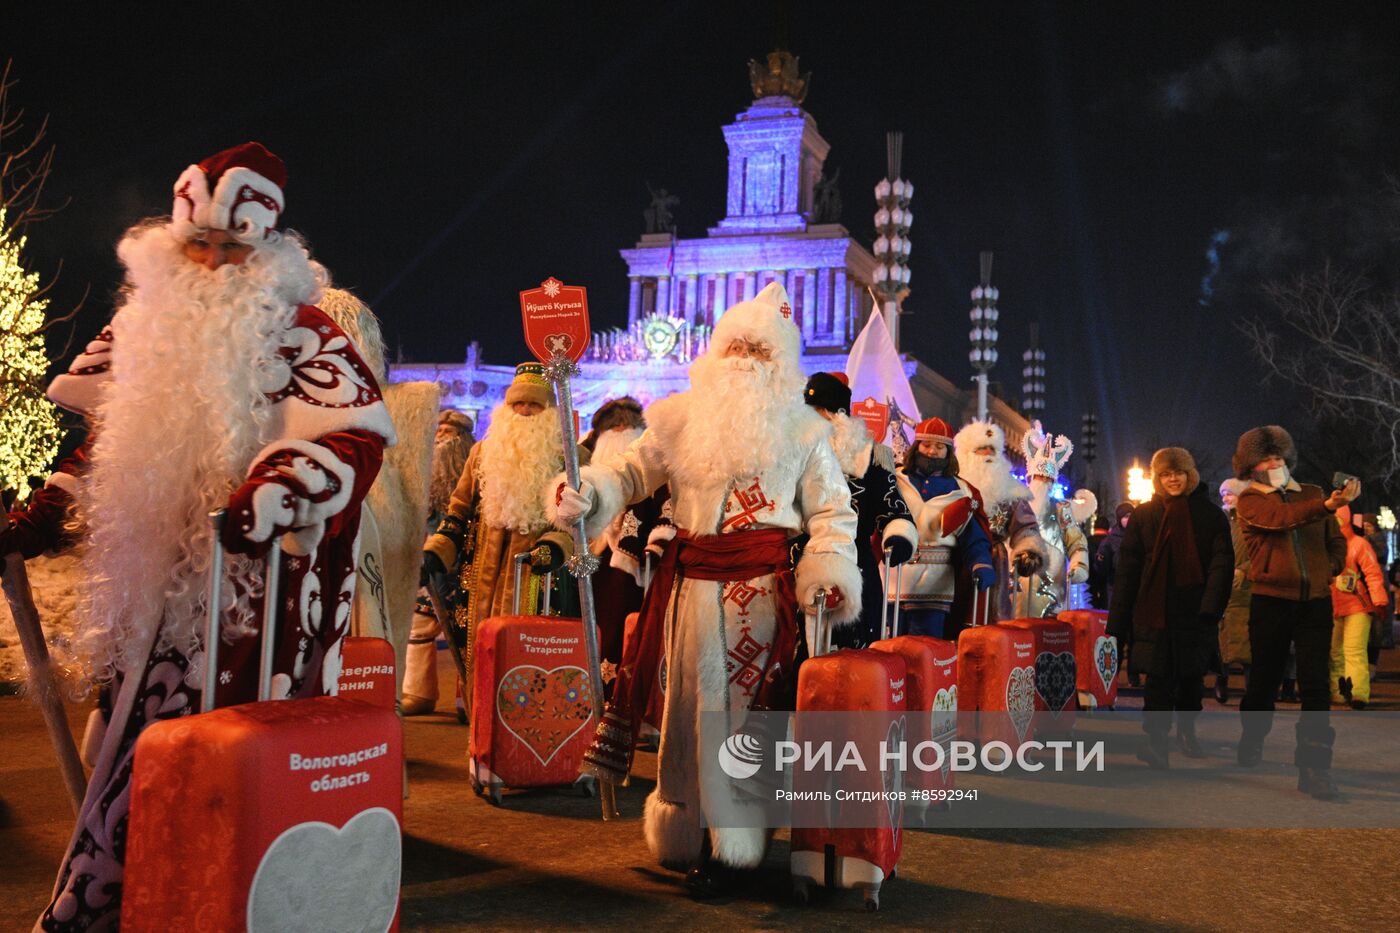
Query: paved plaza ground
x=544, y=860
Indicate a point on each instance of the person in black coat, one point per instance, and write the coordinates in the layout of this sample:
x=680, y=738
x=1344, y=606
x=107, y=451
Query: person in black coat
x=1173, y=577
x=881, y=513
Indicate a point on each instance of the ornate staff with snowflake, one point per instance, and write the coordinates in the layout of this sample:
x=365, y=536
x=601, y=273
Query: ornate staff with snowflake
x=557, y=332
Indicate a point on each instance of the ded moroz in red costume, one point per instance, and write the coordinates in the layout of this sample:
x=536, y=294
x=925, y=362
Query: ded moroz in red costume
x=211, y=388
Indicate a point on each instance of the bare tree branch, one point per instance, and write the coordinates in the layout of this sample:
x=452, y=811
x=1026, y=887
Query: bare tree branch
x=1338, y=338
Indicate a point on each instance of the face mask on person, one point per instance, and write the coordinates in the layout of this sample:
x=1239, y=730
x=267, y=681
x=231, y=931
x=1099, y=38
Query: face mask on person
x=1276, y=477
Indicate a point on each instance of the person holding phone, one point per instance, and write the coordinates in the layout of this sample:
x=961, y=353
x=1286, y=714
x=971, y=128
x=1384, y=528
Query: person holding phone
x=1295, y=550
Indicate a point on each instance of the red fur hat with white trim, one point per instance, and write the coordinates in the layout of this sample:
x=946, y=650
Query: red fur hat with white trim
x=238, y=190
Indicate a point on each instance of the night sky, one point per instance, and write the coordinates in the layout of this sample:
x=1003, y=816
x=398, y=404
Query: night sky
x=441, y=159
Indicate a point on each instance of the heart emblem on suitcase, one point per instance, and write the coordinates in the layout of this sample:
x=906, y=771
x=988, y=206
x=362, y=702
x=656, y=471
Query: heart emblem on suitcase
x=544, y=709
x=1020, y=699
x=893, y=778
x=315, y=876
x=1054, y=679
x=945, y=722
x=1106, y=661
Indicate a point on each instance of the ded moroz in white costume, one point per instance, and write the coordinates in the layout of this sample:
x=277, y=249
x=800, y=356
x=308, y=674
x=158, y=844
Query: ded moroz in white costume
x=749, y=467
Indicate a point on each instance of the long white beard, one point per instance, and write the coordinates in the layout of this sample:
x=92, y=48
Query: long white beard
x=992, y=477
x=521, y=454
x=1041, y=503
x=612, y=443
x=852, y=443
x=449, y=457
x=740, y=417
x=185, y=412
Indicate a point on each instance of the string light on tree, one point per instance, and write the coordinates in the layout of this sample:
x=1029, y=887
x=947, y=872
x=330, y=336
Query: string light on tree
x=1139, y=484
x=29, y=427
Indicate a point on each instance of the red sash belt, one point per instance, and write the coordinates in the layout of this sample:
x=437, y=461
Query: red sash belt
x=742, y=555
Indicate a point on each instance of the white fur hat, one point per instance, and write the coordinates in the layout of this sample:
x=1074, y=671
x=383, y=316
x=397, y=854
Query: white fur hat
x=978, y=434
x=766, y=318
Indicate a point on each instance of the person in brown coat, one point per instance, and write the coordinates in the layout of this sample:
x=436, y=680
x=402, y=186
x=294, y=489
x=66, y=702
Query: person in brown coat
x=1174, y=571
x=1295, y=549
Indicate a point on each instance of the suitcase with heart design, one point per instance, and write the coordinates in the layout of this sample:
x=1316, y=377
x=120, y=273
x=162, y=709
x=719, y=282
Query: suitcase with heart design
x=863, y=857
x=931, y=696
x=266, y=816
x=1055, y=685
x=1096, y=656
x=996, y=684
x=532, y=703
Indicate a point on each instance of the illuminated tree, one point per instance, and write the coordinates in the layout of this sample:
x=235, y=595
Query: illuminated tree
x=29, y=427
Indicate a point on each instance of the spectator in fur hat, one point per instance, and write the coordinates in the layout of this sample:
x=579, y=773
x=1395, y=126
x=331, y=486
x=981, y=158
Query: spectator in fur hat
x=1295, y=550
x=1173, y=582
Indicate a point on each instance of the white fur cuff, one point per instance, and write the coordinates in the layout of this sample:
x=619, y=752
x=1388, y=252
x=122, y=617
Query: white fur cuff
x=607, y=499
x=660, y=535
x=65, y=481
x=827, y=569
x=901, y=528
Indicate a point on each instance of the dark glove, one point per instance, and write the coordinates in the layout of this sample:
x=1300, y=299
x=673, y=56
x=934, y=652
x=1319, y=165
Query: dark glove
x=547, y=557
x=984, y=577
x=901, y=551
x=432, y=566
x=1027, y=563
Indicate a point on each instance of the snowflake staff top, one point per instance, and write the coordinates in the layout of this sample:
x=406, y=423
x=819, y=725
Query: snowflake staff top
x=555, y=316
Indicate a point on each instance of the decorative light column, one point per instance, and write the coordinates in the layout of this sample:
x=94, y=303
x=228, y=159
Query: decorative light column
x=1033, y=373
x=1089, y=446
x=892, y=221
x=983, y=335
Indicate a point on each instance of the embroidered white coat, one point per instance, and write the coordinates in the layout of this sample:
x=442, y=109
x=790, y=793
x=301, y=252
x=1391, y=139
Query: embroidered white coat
x=718, y=634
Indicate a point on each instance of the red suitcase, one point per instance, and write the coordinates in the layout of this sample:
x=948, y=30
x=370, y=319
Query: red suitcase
x=931, y=696
x=367, y=671
x=996, y=684
x=860, y=858
x=1054, y=674
x=532, y=704
x=1096, y=656
x=281, y=815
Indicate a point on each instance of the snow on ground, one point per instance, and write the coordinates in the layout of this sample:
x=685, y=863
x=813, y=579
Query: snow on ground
x=54, y=581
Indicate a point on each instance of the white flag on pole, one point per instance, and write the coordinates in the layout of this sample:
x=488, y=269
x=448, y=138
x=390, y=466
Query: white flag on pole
x=876, y=372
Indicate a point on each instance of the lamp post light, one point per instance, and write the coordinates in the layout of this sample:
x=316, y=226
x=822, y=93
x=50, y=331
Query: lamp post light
x=1033, y=374
x=1089, y=446
x=893, y=218
x=983, y=335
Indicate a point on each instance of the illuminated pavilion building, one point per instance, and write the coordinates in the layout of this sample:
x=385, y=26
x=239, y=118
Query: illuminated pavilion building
x=679, y=287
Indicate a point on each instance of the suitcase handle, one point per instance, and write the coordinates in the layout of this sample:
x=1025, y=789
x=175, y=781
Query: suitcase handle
x=212, y=635
x=520, y=560
x=646, y=571
x=823, y=631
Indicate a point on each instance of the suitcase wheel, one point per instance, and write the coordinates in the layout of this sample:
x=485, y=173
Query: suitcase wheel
x=872, y=896
x=461, y=716
x=587, y=785
x=494, y=794
x=476, y=786
x=802, y=891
